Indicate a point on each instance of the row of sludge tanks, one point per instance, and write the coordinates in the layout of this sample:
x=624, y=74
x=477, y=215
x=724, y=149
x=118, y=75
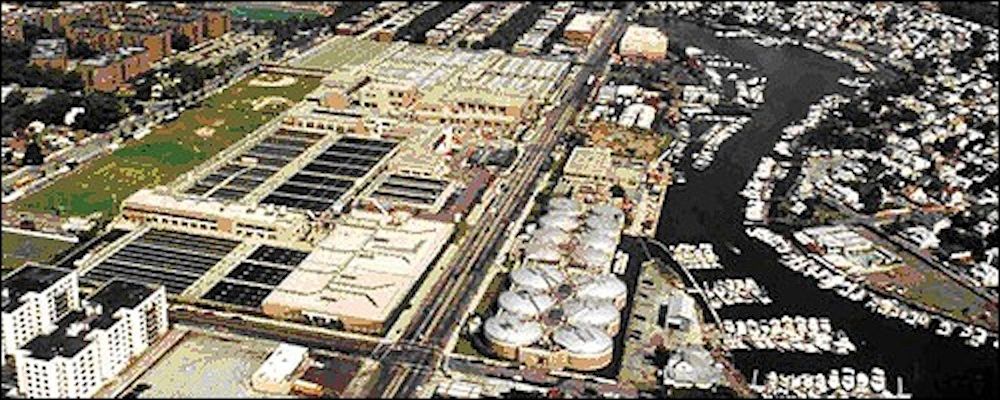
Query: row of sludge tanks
x=586, y=239
x=550, y=319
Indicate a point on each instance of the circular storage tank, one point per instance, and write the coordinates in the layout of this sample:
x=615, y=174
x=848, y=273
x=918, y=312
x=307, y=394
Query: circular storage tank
x=537, y=278
x=609, y=211
x=506, y=333
x=611, y=233
x=598, y=222
x=589, y=348
x=542, y=252
x=597, y=313
x=525, y=303
x=589, y=257
x=564, y=204
x=598, y=240
x=563, y=222
x=550, y=235
x=605, y=287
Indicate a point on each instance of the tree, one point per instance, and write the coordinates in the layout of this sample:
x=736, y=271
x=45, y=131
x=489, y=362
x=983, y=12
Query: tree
x=33, y=154
x=101, y=110
x=415, y=31
x=53, y=108
x=81, y=49
x=180, y=42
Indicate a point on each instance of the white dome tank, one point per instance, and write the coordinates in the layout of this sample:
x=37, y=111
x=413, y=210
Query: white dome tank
x=582, y=339
x=599, y=241
x=597, y=313
x=590, y=257
x=602, y=287
x=551, y=235
x=510, y=330
x=564, y=204
x=525, y=303
x=599, y=222
x=563, y=222
x=537, y=278
x=609, y=211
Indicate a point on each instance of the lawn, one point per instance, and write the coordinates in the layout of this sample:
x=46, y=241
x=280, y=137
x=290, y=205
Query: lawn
x=164, y=154
x=19, y=249
x=270, y=14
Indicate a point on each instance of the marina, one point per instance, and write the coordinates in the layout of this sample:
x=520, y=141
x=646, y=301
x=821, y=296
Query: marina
x=730, y=292
x=708, y=208
x=837, y=383
x=813, y=335
x=695, y=257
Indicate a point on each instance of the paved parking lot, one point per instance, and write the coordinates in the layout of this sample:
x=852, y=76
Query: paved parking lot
x=204, y=366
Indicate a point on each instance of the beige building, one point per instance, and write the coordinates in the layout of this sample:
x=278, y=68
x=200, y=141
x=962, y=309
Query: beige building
x=198, y=215
x=360, y=274
x=582, y=28
x=589, y=167
x=442, y=86
x=641, y=42
x=277, y=374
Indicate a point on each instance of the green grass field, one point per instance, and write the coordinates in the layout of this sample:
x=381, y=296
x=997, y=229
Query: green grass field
x=343, y=50
x=270, y=14
x=164, y=154
x=19, y=249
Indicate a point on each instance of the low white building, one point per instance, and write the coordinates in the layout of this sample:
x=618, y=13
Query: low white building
x=276, y=374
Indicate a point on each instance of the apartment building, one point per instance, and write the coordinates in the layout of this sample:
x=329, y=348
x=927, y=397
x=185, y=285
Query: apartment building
x=77, y=356
x=111, y=72
x=34, y=297
x=49, y=54
x=641, y=42
x=589, y=166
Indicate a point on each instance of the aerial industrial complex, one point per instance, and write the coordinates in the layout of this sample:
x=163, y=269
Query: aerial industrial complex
x=332, y=214
x=499, y=199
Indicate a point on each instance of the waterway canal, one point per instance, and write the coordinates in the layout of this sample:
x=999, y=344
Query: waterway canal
x=708, y=209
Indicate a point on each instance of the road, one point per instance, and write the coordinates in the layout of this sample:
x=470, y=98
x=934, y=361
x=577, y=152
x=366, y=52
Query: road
x=343, y=346
x=409, y=363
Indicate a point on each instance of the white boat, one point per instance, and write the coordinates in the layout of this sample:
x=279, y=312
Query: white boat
x=878, y=380
x=833, y=380
x=966, y=332
x=847, y=379
x=945, y=328
x=861, y=382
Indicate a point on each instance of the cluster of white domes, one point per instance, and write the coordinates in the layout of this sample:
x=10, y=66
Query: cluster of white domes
x=567, y=234
x=561, y=300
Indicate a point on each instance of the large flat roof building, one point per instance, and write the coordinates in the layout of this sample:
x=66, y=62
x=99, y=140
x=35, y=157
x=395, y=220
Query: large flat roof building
x=589, y=166
x=360, y=274
x=442, y=86
x=643, y=42
x=164, y=210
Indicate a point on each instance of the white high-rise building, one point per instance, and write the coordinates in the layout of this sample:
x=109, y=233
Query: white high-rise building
x=90, y=346
x=34, y=299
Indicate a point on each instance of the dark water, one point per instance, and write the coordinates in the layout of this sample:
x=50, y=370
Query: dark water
x=708, y=208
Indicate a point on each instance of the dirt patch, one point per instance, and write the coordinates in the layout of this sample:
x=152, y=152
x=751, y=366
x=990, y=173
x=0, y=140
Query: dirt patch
x=269, y=101
x=273, y=81
x=205, y=132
